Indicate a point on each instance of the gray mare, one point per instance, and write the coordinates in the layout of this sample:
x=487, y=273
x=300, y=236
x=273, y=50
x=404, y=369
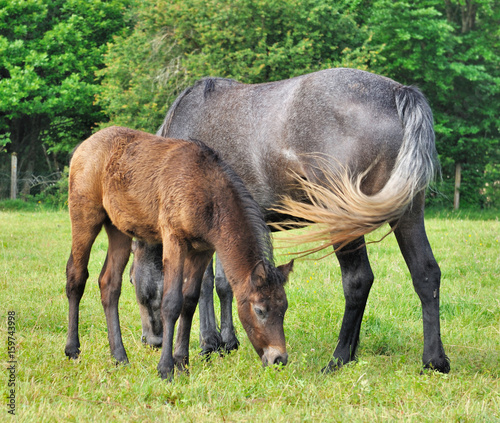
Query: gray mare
x=263, y=131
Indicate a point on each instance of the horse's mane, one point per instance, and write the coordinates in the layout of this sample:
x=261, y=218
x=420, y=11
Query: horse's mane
x=209, y=85
x=251, y=208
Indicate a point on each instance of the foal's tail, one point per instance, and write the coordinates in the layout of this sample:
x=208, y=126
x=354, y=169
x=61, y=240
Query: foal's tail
x=338, y=206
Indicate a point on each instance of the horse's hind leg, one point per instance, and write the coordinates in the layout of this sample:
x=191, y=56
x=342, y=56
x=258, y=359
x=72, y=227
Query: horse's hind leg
x=210, y=339
x=357, y=279
x=225, y=293
x=194, y=267
x=110, y=281
x=146, y=274
x=426, y=276
x=84, y=230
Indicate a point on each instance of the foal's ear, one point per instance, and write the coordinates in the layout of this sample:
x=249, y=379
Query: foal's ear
x=258, y=276
x=286, y=269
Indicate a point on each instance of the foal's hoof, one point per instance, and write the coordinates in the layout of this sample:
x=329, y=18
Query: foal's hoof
x=122, y=362
x=120, y=357
x=166, y=374
x=72, y=353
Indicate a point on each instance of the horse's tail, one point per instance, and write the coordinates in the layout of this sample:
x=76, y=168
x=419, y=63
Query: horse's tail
x=338, y=205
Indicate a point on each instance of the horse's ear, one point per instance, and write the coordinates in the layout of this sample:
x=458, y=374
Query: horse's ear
x=286, y=269
x=258, y=276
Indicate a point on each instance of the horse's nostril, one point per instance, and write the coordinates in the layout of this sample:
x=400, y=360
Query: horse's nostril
x=274, y=356
x=281, y=359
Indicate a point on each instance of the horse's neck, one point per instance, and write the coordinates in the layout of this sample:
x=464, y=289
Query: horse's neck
x=237, y=248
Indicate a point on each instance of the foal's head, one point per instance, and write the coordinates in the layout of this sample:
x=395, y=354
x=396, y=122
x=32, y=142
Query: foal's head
x=261, y=309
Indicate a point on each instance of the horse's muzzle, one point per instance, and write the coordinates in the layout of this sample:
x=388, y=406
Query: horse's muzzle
x=273, y=355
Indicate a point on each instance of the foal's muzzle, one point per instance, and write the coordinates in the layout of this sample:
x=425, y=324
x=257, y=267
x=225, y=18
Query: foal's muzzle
x=273, y=355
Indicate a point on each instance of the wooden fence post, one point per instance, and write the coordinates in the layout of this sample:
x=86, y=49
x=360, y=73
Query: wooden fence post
x=458, y=177
x=13, y=176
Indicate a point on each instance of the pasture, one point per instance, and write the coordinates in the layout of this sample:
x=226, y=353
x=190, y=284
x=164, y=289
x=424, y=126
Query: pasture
x=385, y=384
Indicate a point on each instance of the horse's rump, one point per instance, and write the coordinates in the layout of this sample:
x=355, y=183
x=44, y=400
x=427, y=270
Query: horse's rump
x=373, y=136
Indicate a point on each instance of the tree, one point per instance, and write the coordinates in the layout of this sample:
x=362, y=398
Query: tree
x=451, y=51
x=177, y=42
x=49, y=53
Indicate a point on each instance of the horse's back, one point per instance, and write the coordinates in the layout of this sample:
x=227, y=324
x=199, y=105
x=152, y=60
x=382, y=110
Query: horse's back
x=129, y=174
x=263, y=130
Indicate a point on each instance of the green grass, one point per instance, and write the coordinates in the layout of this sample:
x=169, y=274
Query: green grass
x=384, y=385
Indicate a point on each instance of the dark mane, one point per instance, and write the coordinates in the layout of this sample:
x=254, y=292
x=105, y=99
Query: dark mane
x=208, y=86
x=251, y=208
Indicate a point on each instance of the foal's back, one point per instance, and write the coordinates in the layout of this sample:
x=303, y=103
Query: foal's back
x=142, y=182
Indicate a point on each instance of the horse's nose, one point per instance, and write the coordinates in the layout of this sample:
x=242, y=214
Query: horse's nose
x=273, y=355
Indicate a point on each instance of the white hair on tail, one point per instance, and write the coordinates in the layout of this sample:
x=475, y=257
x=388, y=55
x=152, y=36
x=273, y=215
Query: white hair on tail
x=339, y=208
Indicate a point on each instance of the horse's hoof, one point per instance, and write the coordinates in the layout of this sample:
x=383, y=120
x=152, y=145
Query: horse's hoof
x=442, y=365
x=333, y=366
x=166, y=374
x=72, y=353
x=121, y=358
x=231, y=345
x=122, y=362
x=210, y=345
x=152, y=341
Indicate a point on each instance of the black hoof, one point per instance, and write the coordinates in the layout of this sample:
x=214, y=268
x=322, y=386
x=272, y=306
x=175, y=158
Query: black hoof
x=72, y=353
x=231, y=345
x=210, y=345
x=166, y=375
x=333, y=366
x=441, y=365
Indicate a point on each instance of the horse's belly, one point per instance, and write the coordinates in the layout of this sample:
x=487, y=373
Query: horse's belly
x=132, y=221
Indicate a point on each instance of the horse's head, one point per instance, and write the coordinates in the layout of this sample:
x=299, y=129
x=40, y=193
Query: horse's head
x=261, y=310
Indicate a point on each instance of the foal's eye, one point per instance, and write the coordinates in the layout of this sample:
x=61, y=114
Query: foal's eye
x=260, y=312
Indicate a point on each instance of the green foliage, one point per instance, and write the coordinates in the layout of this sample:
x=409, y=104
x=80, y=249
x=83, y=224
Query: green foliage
x=49, y=53
x=55, y=196
x=451, y=51
x=67, y=66
x=18, y=205
x=175, y=43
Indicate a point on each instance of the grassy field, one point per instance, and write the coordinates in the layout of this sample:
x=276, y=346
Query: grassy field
x=385, y=384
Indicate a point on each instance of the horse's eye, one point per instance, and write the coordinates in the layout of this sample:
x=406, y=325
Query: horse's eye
x=260, y=312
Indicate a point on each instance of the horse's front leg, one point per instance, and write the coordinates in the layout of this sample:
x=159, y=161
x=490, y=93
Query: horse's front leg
x=426, y=276
x=110, y=282
x=174, y=253
x=194, y=267
x=225, y=293
x=357, y=279
x=210, y=339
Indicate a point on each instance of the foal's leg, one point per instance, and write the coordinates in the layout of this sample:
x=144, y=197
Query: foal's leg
x=174, y=253
x=357, y=279
x=225, y=293
x=110, y=284
x=210, y=339
x=194, y=268
x=426, y=276
x=84, y=229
